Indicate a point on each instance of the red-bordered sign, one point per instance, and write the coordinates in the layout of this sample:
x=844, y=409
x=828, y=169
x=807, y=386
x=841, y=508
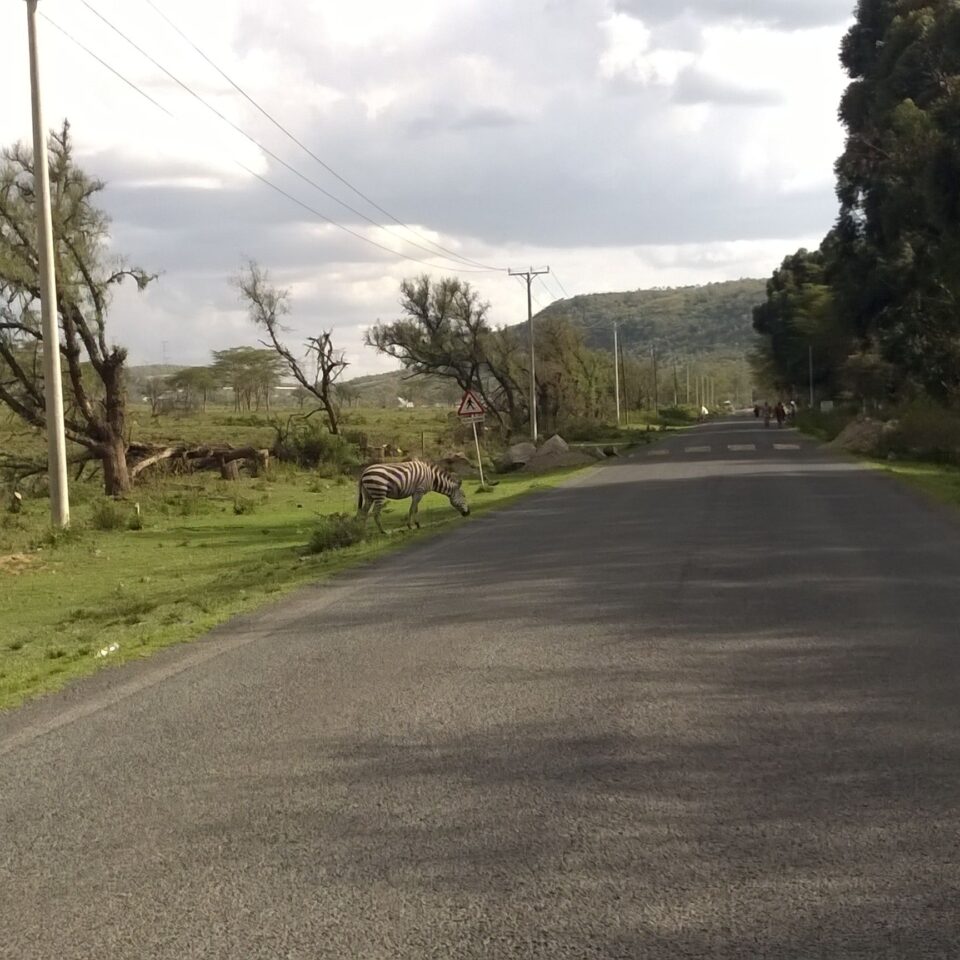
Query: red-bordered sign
x=470, y=406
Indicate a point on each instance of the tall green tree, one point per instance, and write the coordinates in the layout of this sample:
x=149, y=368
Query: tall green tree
x=896, y=251
x=93, y=367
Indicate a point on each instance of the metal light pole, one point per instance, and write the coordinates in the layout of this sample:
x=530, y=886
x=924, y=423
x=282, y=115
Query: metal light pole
x=53, y=389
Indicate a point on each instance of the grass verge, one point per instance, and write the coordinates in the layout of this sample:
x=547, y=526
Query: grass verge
x=938, y=481
x=104, y=593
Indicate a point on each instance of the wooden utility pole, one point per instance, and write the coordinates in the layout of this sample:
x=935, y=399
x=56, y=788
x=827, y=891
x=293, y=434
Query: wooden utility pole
x=528, y=275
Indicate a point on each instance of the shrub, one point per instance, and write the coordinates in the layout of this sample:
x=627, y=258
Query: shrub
x=578, y=429
x=824, y=426
x=334, y=531
x=925, y=432
x=677, y=415
x=109, y=515
x=308, y=444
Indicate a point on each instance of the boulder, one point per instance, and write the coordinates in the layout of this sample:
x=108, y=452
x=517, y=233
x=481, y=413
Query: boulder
x=458, y=464
x=556, y=444
x=515, y=457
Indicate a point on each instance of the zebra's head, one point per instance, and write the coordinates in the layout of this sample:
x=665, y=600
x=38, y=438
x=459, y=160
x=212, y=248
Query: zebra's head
x=457, y=500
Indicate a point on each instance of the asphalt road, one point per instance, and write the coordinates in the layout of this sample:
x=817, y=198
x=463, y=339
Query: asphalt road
x=698, y=704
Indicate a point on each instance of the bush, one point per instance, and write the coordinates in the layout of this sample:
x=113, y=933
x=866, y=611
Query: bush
x=677, y=415
x=109, y=515
x=334, y=531
x=824, y=426
x=925, y=432
x=309, y=444
x=579, y=429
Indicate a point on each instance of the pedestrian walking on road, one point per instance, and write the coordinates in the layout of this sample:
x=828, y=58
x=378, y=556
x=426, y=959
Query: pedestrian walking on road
x=781, y=413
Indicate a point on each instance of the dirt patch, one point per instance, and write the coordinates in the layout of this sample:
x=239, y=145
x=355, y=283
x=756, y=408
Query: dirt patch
x=14, y=563
x=861, y=436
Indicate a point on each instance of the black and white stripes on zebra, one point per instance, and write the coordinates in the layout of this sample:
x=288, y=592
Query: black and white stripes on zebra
x=397, y=481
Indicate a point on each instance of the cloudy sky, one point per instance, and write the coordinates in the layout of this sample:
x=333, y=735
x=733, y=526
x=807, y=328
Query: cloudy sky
x=624, y=143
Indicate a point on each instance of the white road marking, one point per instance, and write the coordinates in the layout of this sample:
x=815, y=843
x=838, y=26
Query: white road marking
x=786, y=446
x=698, y=449
x=658, y=453
x=740, y=447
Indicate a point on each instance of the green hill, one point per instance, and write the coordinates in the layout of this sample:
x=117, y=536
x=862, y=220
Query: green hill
x=384, y=389
x=714, y=320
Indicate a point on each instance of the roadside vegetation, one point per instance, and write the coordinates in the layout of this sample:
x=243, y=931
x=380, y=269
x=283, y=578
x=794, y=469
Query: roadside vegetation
x=182, y=554
x=918, y=442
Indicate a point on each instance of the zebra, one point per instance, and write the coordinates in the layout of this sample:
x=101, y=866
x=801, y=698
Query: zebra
x=397, y=481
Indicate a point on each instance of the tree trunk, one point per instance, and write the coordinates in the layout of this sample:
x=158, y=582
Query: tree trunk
x=116, y=475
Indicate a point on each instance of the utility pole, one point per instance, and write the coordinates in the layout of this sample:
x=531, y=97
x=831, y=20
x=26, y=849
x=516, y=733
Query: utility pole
x=623, y=380
x=687, y=368
x=528, y=275
x=52, y=387
x=616, y=370
x=656, y=385
x=810, y=358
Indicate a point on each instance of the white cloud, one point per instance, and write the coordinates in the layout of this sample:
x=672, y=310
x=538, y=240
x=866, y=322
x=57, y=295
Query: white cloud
x=690, y=145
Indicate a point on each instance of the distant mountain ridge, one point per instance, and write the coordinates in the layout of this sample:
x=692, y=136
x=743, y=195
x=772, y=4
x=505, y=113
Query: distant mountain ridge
x=715, y=319
x=711, y=322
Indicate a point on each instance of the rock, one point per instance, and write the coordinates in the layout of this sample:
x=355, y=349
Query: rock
x=610, y=452
x=515, y=457
x=457, y=464
x=556, y=444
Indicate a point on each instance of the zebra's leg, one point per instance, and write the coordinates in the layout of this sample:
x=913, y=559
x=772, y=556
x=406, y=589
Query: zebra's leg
x=414, y=507
x=363, y=510
x=377, y=507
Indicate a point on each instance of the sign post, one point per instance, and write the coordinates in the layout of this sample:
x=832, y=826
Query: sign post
x=472, y=411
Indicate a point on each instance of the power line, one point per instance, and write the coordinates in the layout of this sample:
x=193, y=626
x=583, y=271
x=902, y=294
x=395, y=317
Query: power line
x=270, y=153
x=104, y=63
x=260, y=177
x=307, y=150
x=560, y=285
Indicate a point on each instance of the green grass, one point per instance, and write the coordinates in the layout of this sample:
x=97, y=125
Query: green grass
x=207, y=549
x=938, y=481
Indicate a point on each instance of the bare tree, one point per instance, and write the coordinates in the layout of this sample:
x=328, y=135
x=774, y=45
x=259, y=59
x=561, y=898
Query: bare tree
x=95, y=395
x=322, y=365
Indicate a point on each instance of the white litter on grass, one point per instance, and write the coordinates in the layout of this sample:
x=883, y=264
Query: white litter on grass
x=106, y=651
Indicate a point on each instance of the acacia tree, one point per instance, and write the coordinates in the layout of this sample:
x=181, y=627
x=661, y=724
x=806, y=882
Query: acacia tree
x=93, y=368
x=251, y=373
x=322, y=365
x=445, y=332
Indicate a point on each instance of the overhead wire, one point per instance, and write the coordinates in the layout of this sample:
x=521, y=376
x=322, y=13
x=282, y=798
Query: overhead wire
x=104, y=63
x=309, y=152
x=282, y=162
x=266, y=181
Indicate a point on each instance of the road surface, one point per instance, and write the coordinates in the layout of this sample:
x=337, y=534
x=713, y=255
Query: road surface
x=704, y=702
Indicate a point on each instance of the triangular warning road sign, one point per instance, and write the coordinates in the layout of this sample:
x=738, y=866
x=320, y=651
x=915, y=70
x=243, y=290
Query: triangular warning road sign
x=470, y=406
